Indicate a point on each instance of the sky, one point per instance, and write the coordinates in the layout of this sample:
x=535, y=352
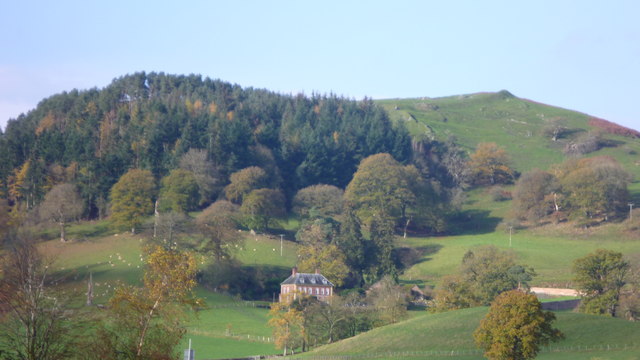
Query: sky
x=580, y=55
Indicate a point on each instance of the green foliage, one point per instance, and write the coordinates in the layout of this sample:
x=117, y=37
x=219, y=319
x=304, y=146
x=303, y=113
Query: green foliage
x=243, y=182
x=318, y=200
x=600, y=277
x=132, y=199
x=179, y=191
x=594, y=187
x=380, y=186
x=383, y=241
x=515, y=327
x=485, y=273
x=261, y=206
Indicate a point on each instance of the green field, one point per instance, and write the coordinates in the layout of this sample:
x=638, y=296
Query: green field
x=451, y=333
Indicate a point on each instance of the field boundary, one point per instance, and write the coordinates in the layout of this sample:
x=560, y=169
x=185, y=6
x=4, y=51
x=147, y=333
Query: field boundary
x=461, y=352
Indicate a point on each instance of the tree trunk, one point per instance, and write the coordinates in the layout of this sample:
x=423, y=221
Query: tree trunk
x=62, y=234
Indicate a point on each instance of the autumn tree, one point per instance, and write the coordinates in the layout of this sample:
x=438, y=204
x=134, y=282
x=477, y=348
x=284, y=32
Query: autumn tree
x=217, y=225
x=61, y=205
x=489, y=165
x=318, y=200
x=599, y=277
x=179, y=191
x=261, y=206
x=132, y=199
x=515, y=327
x=243, y=182
x=326, y=258
x=146, y=322
x=288, y=329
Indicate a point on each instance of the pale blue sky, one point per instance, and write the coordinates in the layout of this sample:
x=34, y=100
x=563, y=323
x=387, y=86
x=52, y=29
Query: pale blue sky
x=581, y=55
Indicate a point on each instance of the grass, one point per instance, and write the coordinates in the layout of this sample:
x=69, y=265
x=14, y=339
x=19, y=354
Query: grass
x=453, y=331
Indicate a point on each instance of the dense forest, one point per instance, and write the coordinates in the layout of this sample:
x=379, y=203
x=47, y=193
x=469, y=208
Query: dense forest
x=150, y=121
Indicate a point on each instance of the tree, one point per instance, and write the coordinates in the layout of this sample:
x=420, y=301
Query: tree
x=132, y=198
x=318, y=200
x=489, y=165
x=351, y=242
x=217, y=225
x=599, y=277
x=326, y=258
x=485, y=272
x=380, y=186
x=243, y=182
x=261, y=206
x=515, y=327
x=535, y=195
x=145, y=323
x=383, y=243
x=36, y=323
x=327, y=319
x=179, y=191
x=204, y=173
x=287, y=323
x=389, y=300
x=594, y=187
x=61, y=205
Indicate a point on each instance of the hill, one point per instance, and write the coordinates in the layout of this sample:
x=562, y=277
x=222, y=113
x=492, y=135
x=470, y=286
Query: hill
x=450, y=334
x=523, y=127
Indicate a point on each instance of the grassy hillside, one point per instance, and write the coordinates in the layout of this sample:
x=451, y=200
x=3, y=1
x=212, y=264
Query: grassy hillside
x=229, y=327
x=453, y=332
x=513, y=123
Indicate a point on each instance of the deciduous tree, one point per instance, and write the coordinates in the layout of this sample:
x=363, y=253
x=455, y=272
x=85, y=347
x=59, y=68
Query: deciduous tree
x=61, y=205
x=288, y=329
x=515, y=327
x=145, y=323
x=318, y=200
x=217, y=225
x=261, y=206
x=326, y=258
x=132, y=198
x=36, y=323
x=243, y=182
x=535, y=195
x=489, y=165
x=600, y=277
x=179, y=191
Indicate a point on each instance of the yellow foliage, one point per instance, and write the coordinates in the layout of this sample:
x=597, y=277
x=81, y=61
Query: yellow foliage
x=46, y=123
x=230, y=115
x=213, y=108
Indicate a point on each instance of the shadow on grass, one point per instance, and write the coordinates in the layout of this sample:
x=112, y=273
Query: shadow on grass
x=473, y=222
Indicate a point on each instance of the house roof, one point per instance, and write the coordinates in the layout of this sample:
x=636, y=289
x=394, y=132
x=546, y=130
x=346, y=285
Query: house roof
x=307, y=279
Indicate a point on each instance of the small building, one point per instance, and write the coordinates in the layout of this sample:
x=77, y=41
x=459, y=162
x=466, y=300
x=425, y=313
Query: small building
x=315, y=285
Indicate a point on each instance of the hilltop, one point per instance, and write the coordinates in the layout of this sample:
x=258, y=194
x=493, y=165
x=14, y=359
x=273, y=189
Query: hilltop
x=519, y=125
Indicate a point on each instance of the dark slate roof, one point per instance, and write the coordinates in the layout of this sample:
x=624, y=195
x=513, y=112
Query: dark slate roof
x=307, y=279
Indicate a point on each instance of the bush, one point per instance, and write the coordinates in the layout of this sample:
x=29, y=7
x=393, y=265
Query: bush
x=499, y=194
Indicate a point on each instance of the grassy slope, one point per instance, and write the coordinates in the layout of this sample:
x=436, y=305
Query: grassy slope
x=108, y=258
x=513, y=123
x=453, y=331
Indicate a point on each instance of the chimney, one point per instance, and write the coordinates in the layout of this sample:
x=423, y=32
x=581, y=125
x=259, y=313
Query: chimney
x=317, y=271
x=294, y=271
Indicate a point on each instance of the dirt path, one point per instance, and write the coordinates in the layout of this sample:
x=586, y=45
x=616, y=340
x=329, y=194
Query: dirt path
x=554, y=291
